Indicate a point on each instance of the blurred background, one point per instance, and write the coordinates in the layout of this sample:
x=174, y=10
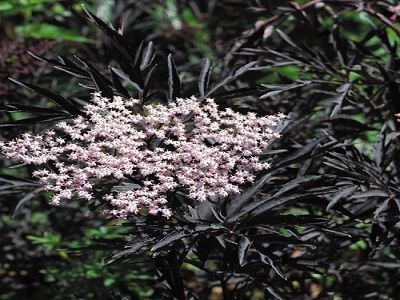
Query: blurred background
x=36, y=239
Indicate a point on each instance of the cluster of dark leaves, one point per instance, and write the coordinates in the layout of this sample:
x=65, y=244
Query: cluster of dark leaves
x=323, y=222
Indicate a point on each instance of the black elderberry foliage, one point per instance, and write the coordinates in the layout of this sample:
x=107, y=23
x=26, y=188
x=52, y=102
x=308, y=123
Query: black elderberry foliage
x=321, y=223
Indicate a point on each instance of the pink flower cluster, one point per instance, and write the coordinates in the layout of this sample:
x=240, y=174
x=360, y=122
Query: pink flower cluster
x=185, y=146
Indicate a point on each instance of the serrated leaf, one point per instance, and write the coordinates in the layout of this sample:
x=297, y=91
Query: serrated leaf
x=277, y=239
x=35, y=120
x=299, y=154
x=129, y=64
x=169, y=239
x=204, y=77
x=102, y=83
x=117, y=84
x=174, y=83
x=343, y=91
x=66, y=104
x=21, y=202
x=12, y=107
x=148, y=56
x=240, y=200
x=233, y=76
x=270, y=203
x=370, y=193
x=343, y=193
x=269, y=260
x=243, y=248
x=124, y=76
x=292, y=184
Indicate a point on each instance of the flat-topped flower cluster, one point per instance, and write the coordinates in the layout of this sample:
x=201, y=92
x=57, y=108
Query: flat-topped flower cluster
x=185, y=146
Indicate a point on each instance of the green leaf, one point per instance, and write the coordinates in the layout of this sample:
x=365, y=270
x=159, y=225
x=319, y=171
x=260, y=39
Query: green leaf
x=359, y=245
x=108, y=282
x=4, y=5
x=52, y=32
